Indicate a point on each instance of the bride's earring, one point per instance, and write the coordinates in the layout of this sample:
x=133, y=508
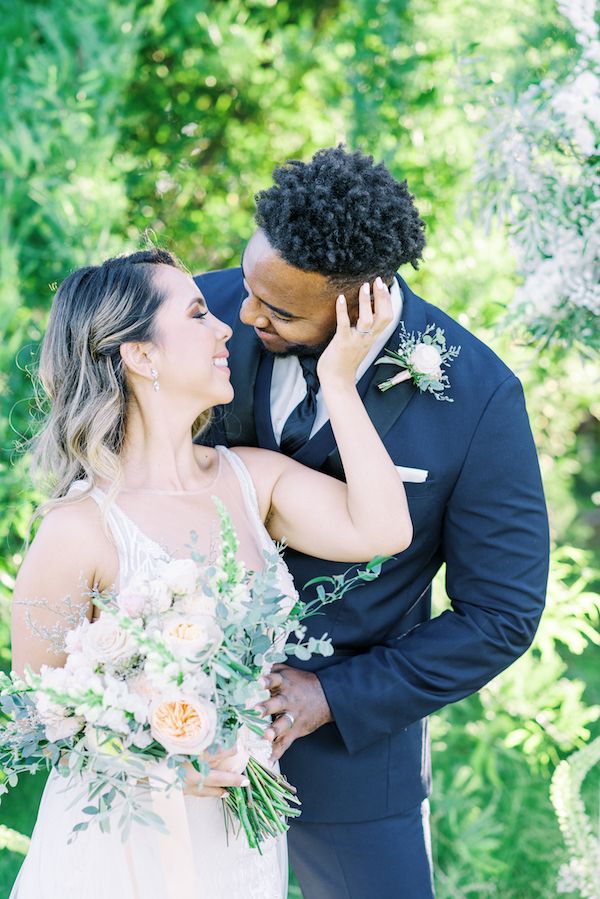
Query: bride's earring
x=154, y=376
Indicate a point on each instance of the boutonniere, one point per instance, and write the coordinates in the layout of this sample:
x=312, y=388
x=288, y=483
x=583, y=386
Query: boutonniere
x=422, y=357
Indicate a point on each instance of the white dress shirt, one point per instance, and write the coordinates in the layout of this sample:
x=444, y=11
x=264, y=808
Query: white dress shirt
x=288, y=386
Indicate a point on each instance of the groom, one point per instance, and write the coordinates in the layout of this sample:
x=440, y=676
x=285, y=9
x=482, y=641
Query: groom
x=353, y=727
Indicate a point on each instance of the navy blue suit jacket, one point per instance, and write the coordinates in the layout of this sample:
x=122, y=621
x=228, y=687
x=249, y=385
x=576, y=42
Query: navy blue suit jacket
x=481, y=512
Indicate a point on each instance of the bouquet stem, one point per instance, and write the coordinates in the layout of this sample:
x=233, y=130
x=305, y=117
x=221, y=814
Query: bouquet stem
x=261, y=809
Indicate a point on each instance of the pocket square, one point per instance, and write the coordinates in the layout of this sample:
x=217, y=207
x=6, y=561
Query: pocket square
x=412, y=475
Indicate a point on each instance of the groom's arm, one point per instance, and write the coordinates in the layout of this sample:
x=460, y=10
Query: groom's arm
x=495, y=543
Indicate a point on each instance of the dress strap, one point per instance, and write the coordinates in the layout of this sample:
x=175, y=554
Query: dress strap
x=246, y=483
x=120, y=526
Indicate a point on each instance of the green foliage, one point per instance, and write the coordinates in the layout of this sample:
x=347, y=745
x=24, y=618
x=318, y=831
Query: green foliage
x=160, y=114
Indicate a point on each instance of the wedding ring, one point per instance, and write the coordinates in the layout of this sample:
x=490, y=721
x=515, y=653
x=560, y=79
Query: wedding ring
x=358, y=331
x=290, y=717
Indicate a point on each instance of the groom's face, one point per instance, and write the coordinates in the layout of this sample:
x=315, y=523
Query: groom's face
x=291, y=311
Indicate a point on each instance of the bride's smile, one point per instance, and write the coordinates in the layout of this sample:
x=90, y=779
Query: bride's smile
x=188, y=352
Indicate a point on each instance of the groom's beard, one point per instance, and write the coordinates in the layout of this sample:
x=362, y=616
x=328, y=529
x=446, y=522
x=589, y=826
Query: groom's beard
x=301, y=349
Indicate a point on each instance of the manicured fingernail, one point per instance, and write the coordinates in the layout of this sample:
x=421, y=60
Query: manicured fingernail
x=341, y=299
x=245, y=782
x=365, y=286
x=378, y=282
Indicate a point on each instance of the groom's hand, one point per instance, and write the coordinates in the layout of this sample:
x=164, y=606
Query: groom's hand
x=300, y=694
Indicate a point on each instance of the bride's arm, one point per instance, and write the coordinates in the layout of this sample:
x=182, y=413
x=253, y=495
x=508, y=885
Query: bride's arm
x=69, y=555
x=317, y=514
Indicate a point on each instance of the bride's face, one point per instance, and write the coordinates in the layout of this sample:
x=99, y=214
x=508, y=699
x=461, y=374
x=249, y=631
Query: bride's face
x=189, y=352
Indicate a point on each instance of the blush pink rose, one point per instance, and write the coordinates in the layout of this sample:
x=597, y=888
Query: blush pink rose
x=427, y=360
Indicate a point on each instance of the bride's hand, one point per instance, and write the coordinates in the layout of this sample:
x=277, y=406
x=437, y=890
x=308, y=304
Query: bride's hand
x=349, y=345
x=218, y=778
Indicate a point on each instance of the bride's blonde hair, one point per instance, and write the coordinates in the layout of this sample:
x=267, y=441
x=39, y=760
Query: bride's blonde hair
x=82, y=378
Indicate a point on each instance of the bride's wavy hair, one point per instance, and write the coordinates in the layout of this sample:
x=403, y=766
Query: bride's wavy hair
x=82, y=378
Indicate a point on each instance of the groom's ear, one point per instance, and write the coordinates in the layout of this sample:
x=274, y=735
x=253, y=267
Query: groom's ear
x=137, y=358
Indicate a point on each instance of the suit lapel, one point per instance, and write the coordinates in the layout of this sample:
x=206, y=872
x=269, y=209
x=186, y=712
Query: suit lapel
x=263, y=422
x=238, y=422
x=386, y=408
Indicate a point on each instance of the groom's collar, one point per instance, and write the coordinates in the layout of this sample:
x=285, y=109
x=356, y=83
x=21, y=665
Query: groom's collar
x=384, y=408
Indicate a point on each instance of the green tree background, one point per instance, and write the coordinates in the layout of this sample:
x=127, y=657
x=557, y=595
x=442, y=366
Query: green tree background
x=167, y=115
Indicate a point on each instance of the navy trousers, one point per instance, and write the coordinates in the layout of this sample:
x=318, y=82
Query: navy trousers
x=385, y=859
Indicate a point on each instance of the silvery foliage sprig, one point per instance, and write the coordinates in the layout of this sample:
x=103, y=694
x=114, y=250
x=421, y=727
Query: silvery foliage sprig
x=537, y=172
x=427, y=377
x=257, y=628
x=582, y=873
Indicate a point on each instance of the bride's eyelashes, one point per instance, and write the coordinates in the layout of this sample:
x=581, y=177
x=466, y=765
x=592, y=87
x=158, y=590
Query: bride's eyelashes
x=200, y=314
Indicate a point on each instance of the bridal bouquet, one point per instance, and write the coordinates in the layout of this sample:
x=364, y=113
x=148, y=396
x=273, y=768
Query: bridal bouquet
x=168, y=674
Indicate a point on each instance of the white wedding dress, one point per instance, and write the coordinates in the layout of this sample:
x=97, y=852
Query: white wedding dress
x=101, y=866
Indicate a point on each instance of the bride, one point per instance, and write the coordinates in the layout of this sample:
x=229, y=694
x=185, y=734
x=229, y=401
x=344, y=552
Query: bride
x=132, y=363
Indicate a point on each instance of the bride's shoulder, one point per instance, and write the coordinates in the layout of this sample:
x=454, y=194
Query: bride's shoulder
x=72, y=526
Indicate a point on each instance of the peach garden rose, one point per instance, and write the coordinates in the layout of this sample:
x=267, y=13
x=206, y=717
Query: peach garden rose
x=183, y=724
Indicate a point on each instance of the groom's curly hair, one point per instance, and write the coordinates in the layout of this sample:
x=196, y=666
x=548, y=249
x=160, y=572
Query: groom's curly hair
x=342, y=216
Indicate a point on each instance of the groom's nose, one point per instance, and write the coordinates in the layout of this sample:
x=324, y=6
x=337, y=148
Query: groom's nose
x=251, y=313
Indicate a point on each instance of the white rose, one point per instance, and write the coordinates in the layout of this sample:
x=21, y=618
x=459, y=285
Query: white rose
x=107, y=643
x=427, y=360
x=184, y=724
x=191, y=635
x=180, y=575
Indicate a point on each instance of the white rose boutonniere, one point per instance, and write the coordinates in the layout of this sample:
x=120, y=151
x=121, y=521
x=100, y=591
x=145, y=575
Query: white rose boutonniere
x=422, y=357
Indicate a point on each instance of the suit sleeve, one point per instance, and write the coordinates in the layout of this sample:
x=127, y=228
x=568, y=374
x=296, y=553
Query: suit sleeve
x=495, y=544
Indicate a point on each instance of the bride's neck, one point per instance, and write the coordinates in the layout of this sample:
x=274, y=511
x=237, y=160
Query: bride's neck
x=159, y=454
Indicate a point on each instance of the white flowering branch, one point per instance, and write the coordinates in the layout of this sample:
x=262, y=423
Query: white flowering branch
x=539, y=172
